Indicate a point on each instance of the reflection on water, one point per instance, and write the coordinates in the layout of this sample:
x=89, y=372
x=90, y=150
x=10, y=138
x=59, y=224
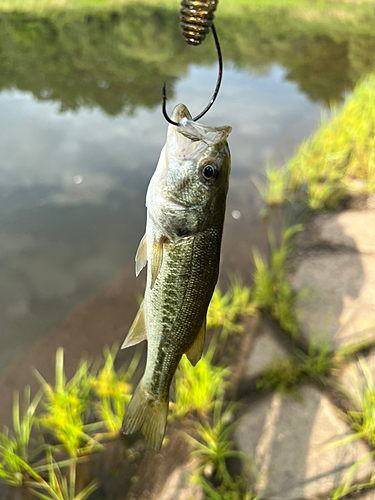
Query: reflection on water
x=81, y=131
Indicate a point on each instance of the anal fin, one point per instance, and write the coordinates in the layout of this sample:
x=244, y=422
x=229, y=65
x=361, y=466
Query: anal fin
x=137, y=332
x=194, y=354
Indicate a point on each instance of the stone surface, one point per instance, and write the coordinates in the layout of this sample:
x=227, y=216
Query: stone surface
x=265, y=350
x=179, y=486
x=354, y=229
x=339, y=306
x=286, y=437
x=368, y=495
x=352, y=377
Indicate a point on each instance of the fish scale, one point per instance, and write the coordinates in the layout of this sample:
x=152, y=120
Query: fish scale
x=185, y=214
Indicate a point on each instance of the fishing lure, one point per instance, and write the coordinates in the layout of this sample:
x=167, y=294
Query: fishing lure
x=197, y=19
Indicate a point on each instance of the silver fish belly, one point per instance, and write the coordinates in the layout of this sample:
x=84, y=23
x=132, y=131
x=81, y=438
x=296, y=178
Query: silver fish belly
x=185, y=215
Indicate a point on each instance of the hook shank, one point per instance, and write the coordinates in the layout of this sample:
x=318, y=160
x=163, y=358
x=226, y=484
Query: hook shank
x=216, y=91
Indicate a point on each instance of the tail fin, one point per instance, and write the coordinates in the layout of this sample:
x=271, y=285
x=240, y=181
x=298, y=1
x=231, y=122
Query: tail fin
x=147, y=414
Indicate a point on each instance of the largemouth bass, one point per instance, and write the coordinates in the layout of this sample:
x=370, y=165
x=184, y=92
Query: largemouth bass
x=185, y=204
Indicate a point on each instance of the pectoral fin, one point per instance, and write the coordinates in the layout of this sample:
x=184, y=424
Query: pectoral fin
x=156, y=260
x=137, y=332
x=194, y=354
x=141, y=256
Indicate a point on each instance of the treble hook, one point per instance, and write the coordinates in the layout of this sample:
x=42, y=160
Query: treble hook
x=213, y=98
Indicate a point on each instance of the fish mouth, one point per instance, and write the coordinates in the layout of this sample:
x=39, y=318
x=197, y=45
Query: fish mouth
x=193, y=131
x=180, y=111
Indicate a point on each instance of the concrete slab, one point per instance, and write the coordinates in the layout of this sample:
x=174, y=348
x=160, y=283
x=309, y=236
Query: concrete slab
x=353, y=228
x=287, y=438
x=265, y=350
x=179, y=486
x=368, y=495
x=339, y=307
x=352, y=377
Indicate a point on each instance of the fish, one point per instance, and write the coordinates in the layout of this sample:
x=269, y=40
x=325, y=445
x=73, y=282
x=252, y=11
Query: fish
x=185, y=202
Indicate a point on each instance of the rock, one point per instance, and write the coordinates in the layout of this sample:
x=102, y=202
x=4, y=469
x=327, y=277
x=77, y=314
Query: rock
x=353, y=380
x=353, y=228
x=366, y=495
x=179, y=486
x=265, y=350
x=339, y=307
x=287, y=437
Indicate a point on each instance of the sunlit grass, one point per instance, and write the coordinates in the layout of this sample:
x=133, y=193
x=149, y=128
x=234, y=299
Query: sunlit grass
x=343, y=148
x=273, y=191
x=362, y=421
x=272, y=290
x=66, y=407
x=225, y=310
x=213, y=448
x=198, y=388
x=113, y=390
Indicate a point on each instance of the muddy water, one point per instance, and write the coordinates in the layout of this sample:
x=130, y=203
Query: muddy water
x=80, y=134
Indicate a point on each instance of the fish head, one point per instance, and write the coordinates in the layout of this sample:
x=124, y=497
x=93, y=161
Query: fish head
x=192, y=177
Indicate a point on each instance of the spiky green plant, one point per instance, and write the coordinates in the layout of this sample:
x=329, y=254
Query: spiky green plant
x=225, y=309
x=113, y=390
x=213, y=448
x=272, y=290
x=197, y=388
x=60, y=486
x=274, y=191
x=66, y=406
x=15, y=447
x=362, y=421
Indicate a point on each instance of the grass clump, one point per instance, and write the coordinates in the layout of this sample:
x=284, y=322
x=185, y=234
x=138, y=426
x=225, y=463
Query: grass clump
x=213, y=448
x=198, y=388
x=286, y=375
x=67, y=405
x=362, y=421
x=315, y=365
x=274, y=191
x=272, y=290
x=330, y=164
x=225, y=309
x=112, y=390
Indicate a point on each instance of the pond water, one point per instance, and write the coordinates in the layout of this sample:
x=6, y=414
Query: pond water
x=81, y=131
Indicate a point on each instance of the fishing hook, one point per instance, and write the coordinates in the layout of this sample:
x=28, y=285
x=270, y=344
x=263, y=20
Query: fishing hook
x=213, y=98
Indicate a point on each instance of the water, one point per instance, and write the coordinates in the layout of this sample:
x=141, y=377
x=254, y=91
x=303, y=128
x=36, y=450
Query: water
x=81, y=131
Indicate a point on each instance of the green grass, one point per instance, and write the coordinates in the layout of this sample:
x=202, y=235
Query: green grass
x=342, y=151
x=225, y=310
x=198, y=388
x=362, y=421
x=213, y=448
x=272, y=290
x=66, y=407
x=112, y=390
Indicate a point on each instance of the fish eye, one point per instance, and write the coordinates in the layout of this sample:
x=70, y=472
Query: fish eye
x=208, y=173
